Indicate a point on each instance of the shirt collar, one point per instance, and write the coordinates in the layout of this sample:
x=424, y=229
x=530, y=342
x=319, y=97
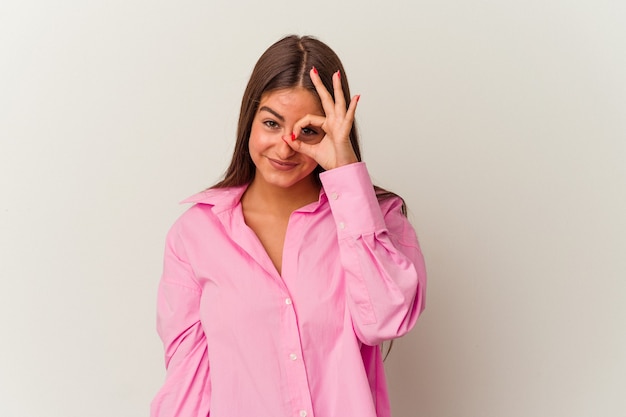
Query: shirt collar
x=226, y=198
x=220, y=198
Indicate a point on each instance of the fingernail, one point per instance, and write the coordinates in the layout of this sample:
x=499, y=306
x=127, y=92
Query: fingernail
x=358, y=98
x=339, y=74
x=315, y=70
x=293, y=136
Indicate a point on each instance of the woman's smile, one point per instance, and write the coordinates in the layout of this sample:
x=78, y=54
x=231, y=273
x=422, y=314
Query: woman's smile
x=282, y=165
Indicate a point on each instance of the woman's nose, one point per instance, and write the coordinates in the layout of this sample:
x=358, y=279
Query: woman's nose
x=284, y=150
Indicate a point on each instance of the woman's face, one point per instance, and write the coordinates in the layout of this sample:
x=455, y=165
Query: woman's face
x=276, y=163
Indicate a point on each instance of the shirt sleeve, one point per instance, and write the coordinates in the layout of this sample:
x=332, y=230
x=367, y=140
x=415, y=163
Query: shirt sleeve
x=380, y=253
x=186, y=391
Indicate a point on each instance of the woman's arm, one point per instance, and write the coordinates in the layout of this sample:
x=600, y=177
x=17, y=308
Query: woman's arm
x=186, y=391
x=385, y=273
x=384, y=266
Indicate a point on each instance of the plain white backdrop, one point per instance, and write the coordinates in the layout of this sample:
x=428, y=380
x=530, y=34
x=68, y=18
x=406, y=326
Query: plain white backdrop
x=502, y=123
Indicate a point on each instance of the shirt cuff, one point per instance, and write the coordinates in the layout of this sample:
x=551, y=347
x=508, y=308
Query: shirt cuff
x=352, y=200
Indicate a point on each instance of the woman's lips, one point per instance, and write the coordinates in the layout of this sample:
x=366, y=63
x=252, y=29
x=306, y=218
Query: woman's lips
x=282, y=165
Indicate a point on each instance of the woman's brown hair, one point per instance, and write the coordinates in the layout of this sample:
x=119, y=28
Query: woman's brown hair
x=286, y=64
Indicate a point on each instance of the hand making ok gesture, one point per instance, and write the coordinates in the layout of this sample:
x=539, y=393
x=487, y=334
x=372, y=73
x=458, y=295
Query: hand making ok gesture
x=335, y=148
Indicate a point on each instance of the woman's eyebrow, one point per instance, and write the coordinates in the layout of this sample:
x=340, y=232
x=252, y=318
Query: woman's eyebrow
x=267, y=109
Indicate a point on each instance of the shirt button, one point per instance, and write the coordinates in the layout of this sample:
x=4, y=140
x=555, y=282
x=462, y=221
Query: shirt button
x=334, y=196
x=293, y=356
x=288, y=301
x=302, y=413
x=342, y=225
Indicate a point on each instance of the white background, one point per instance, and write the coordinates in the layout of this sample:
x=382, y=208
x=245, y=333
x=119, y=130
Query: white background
x=502, y=123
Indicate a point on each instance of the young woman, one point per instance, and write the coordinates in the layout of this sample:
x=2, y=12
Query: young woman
x=281, y=281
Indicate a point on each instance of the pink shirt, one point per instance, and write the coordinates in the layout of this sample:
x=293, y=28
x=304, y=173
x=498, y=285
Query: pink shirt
x=243, y=341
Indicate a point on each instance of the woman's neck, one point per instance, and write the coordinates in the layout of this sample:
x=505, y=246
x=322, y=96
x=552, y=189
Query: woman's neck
x=261, y=196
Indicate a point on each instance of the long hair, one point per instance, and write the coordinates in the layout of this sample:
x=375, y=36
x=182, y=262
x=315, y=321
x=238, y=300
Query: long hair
x=286, y=64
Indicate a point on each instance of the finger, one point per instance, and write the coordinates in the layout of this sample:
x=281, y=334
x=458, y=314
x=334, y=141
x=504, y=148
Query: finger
x=352, y=109
x=326, y=98
x=308, y=120
x=340, y=101
x=301, y=147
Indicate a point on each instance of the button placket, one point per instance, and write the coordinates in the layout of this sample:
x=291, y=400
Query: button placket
x=295, y=367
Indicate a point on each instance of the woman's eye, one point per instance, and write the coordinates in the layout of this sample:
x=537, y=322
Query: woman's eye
x=308, y=131
x=271, y=124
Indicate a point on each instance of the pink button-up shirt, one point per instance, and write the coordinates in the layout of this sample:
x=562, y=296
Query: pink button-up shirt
x=242, y=340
